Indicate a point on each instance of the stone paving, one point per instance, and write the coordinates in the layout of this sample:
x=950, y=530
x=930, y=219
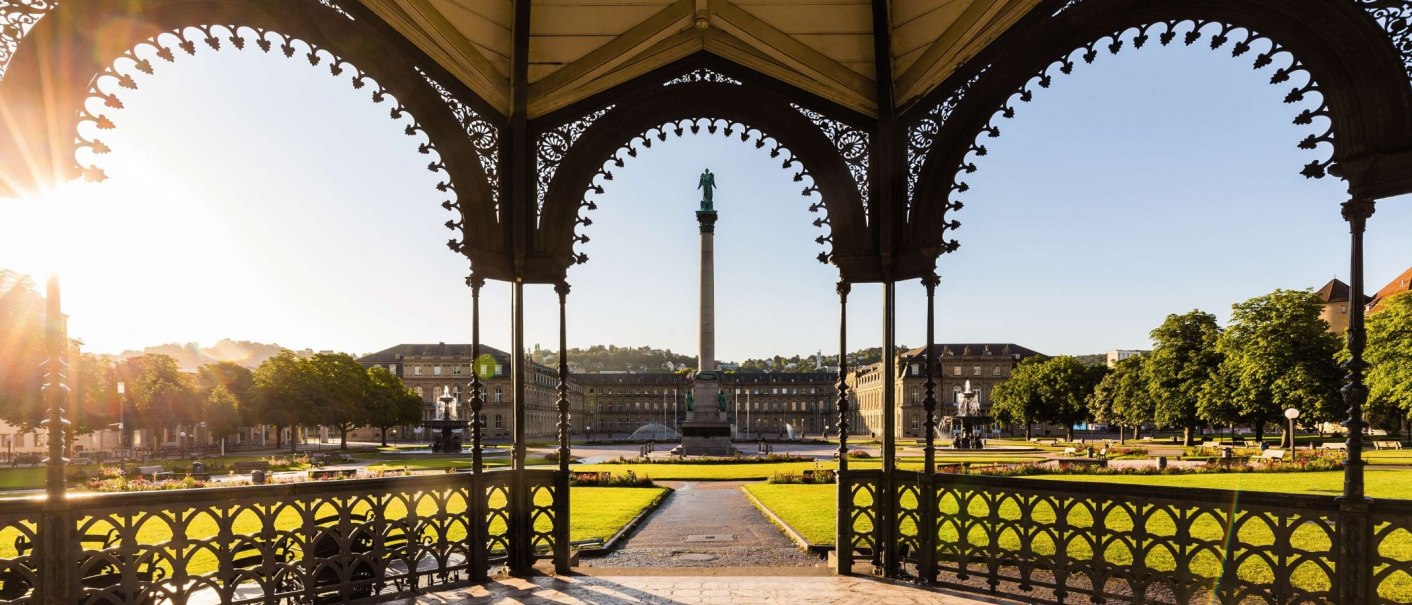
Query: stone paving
x=694, y=590
x=706, y=524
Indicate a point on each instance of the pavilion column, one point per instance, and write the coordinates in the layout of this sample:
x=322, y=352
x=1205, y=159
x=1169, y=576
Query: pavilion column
x=926, y=490
x=561, y=479
x=477, y=398
x=521, y=555
x=55, y=530
x=1355, y=555
x=887, y=511
x=843, y=523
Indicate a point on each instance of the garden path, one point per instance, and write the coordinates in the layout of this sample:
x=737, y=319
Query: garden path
x=706, y=524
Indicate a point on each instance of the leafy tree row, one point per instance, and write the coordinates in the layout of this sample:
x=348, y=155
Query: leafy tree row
x=1275, y=354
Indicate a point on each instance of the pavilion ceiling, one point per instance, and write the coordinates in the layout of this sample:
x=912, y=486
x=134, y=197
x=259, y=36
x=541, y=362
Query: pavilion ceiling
x=582, y=47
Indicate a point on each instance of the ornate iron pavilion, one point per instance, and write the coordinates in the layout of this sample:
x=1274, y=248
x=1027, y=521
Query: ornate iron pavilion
x=880, y=108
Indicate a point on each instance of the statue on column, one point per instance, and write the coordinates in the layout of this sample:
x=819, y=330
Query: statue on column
x=707, y=185
x=690, y=402
x=720, y=401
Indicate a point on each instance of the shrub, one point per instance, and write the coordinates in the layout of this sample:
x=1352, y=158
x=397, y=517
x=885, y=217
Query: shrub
x=297, y=462
x=859, y=454
x=737, y=459
x=606, y=479
x=806, y=477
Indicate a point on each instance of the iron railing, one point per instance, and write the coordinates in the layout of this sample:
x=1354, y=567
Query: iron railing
x=313, y=542
x=1063, y=541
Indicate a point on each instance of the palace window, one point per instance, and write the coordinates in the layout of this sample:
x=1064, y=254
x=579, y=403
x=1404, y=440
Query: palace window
x=955, y=370
x=995, y=371
x=975, y=370
x=417, y=370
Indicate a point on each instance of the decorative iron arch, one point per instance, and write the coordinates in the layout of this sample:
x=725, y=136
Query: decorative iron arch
x=49, y=108
x=831, y=153
x=1359, y=76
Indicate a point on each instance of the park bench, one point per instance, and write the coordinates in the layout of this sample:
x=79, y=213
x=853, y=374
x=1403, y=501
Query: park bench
x=97, y=570
x=326, y=556
x=1387, y=445
x=150, y=471
x=246, y=467
x=1272, y=456
x=247, y=562
x=31, y=459
x=1334, y=445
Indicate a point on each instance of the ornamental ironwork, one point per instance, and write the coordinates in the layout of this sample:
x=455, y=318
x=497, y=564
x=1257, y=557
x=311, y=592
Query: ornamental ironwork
x=679, y=128
x=120, y=74
x=336, y=8
x=852, y=146
x=16, y=18
x=551, y=148
x=923, y=133
x=702, y=75
x=1395, y=17
x=483, y=135
x=1241, y=41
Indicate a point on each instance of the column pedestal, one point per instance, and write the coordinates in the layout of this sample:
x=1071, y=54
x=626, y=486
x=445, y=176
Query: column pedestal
x=706, y=430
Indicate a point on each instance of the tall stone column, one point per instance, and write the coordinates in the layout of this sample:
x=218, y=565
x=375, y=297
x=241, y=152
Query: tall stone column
x=707, y=221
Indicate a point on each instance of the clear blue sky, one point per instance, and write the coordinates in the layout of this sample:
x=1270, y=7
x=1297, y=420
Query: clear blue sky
x=255, y=197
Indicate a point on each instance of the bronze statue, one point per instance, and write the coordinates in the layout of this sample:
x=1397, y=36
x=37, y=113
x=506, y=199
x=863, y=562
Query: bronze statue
x=707, y=185
x=690, y=402
x=720, y=401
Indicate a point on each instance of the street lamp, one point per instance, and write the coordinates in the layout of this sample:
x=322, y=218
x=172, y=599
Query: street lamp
x=1291, y=414
x=122, y=433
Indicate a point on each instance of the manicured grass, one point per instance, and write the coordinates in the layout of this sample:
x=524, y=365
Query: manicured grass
x=811, y=510
x=764, y=470
x=1379, y=483
x=436, y=463
x=22, y=478
x=596, y=513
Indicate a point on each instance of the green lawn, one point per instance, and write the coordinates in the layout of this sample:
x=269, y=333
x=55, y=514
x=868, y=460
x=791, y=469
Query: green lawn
x=764, y=470
x=1378, y=483
x=437, y=463
x=811, y=509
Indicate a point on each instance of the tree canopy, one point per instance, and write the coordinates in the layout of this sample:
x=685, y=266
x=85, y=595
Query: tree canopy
x=1183, y=359
x=1389, y=354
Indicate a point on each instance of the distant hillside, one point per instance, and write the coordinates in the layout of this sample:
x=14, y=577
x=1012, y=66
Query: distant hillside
x=191, y=356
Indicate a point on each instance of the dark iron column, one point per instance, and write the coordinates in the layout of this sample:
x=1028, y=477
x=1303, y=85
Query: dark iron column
x=561, y=480
x=477, y=399
x=1355, y=568
x=521, y=538
x=926, y=491
x=56, y=530
x=887, y=498
x=843, y=531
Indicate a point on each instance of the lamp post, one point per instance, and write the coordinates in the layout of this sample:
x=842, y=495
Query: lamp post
x=181, y=444
x=122, y=431
x=1291, y=414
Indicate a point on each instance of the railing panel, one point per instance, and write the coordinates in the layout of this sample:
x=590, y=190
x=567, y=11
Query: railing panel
x=1054, y=540
x=1392, y=551
x=313, y=542
x=543, y=492
x=494, y=492
x=864, y=489
x=19, y=556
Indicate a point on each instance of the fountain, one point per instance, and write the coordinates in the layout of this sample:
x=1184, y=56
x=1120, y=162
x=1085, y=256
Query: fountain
x=968, y=418
x=446, y=420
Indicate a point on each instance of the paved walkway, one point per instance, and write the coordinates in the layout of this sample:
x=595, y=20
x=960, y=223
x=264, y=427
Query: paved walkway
x=706, y=524
x=608, y=589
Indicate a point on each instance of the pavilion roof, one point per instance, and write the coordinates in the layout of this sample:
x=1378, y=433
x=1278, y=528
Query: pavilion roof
x=581, y=47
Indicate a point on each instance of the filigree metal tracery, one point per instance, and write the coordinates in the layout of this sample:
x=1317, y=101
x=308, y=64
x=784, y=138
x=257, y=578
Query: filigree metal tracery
x=552, y=146
x=165, y=46
x=679, y=128
x=1395, y=17
x=483, y=135
x=922, y=133
x=338, y=9
x=1241, y=42
x=702, y=75
x=852, y=145
x=16, y=18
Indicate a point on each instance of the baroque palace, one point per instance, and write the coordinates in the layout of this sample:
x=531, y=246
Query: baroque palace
x=759, y=405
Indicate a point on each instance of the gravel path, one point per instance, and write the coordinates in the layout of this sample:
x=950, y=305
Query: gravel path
x=706, y=524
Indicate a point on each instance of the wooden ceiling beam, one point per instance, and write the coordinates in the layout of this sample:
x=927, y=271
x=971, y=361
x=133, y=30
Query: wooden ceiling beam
x=751, y=56
x=958, y=44
x=789, y=51
x=938, y=48
x=436, y=23
x=465, y=63
x=586, y=72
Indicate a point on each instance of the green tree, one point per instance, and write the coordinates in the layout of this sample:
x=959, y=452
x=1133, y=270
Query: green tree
x=389, y=402
x=21, y=349
x=1122, y=398
x=1065, y=385
x=280, y=394
x=1389, y=355
x=161, y=396
x=1183, y=360
x=1021, y=398
x=222, y=413
x=237, y=379
x=340, y=394
x=1277, y=354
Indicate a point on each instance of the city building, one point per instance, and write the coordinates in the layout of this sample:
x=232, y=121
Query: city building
x=1117, y=355
x=772, y=405
x=982, y=365
x=433, y=370
x=1398, y=285
x=1335, y=296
